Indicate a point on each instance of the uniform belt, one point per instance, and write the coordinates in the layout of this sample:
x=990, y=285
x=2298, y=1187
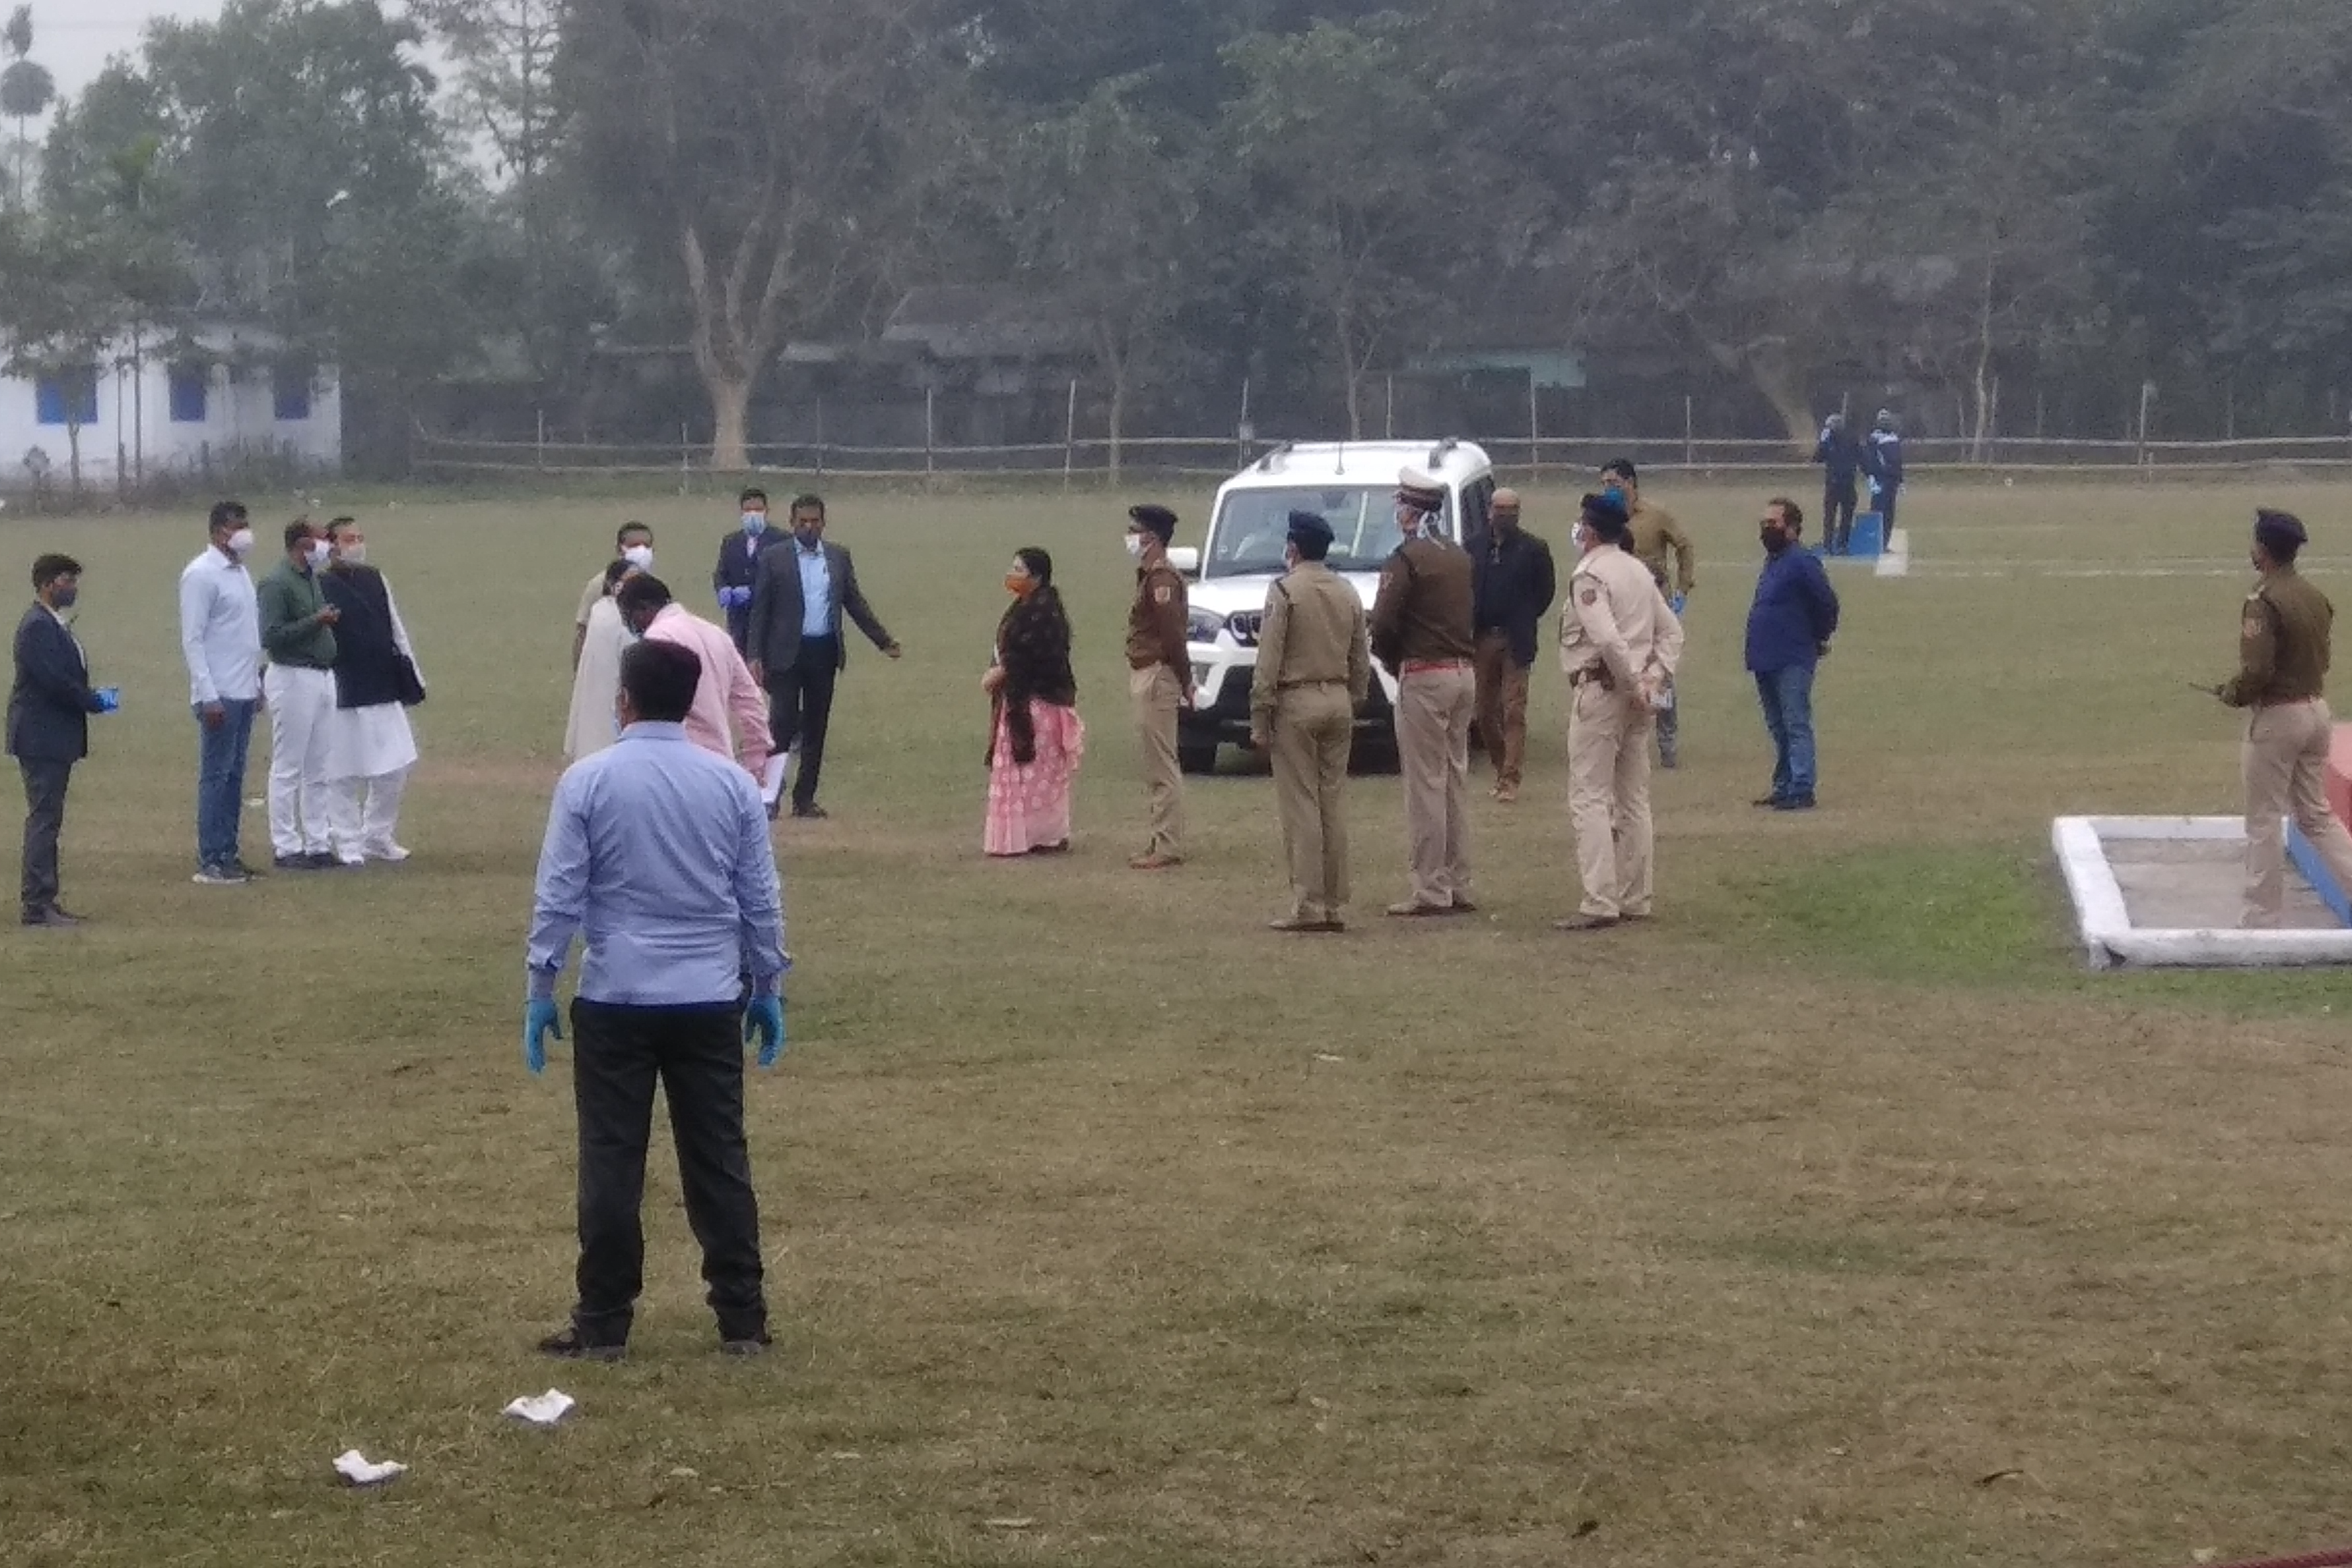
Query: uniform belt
x=1431, y=665
x=1307, y=685
x=1590, y=674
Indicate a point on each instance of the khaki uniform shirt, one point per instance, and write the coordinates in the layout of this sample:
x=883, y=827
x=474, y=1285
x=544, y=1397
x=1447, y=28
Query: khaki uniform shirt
x=1427, y=609
x=1156, y=622
x=1617, y=626
x=1662, y=544
x=2283, y=644
x=1314, y=636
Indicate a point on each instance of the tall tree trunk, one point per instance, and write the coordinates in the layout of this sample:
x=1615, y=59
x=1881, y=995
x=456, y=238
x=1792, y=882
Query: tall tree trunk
x=1117, y=420
x=730, y=419
x=1983, y=389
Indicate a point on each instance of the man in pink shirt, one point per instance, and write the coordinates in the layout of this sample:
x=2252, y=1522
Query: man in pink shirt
x=725, y=692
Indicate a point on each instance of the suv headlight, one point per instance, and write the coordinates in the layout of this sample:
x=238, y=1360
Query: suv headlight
x=1201, y=625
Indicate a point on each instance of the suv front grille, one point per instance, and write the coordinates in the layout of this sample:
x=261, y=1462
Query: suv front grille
x=1246, y=625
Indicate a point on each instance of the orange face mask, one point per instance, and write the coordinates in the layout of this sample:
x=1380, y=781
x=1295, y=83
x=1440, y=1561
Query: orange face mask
x=1019, y=584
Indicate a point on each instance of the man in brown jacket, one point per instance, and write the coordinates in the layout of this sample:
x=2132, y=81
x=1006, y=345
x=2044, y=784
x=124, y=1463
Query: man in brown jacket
x=1424, y=628
x=1313, y=672
x=2283, y=635
x=1160, y=679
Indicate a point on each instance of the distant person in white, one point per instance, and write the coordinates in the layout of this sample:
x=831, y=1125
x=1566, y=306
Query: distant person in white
x=369, y=746
x=298, y=632
x=220, y=638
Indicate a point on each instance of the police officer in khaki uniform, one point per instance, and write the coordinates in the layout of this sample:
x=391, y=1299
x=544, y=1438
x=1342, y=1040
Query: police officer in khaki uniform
x=1160, y=679
x=2283, y=651
x=1619, y=644
x=1662, y=545
x=1424, y=628
x=1314, y=669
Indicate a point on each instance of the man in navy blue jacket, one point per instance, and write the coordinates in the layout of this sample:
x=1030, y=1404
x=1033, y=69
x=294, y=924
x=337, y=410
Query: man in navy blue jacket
x=48, y=726
x=1883, y=461
x=1788, y=630
x=738, y=564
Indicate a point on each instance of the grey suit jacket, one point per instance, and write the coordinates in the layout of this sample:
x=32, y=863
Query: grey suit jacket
x=773, y=639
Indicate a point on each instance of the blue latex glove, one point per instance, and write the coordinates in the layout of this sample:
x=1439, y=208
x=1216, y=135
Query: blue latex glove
x=539, y=1019
x=1677, y=603
x=109, y=700
x=734, y=598
x=764, y=1021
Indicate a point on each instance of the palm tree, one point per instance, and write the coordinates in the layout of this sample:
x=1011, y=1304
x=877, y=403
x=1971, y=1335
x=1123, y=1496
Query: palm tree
x=26, y=87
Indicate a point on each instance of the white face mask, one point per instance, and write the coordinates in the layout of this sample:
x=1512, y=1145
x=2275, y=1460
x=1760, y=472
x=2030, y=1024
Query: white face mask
x=755, y=523
x=240, y=544
x=1135, y=547
x=317, y=553
x=354, y=555
x=640, y=556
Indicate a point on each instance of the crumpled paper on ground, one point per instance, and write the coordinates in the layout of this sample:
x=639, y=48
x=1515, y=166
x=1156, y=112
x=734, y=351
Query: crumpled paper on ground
x=360, y=1471
x=543, y=1409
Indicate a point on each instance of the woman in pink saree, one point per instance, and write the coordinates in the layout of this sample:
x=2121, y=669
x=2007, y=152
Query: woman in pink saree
x=1035, y=739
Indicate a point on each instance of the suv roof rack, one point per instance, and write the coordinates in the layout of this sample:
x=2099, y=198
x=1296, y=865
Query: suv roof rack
x=1281, y=449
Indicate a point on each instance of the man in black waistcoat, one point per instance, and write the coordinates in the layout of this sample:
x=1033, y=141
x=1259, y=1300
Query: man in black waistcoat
x=369, y=746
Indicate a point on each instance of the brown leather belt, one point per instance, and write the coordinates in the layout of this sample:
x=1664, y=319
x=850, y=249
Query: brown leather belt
x=1431, y=665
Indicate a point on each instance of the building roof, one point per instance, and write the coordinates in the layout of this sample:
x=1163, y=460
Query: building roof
x=983, y=321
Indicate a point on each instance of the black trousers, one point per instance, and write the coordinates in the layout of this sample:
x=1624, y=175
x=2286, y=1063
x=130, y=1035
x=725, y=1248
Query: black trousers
x=45, y=819
x=696, y=1054
x=1837, y=515
x=800, y=708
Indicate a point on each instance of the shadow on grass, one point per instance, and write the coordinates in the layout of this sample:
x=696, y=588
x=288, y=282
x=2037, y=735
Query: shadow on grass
x=1978, y=915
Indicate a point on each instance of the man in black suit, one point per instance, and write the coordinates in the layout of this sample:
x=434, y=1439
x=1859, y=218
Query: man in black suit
x=794, y=645
x=738, y=565
x=48, y=726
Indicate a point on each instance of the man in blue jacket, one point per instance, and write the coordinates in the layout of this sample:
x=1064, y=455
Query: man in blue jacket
x=1788, y=630
x=1840, y=456
x=48, y=726
x=1883, y=461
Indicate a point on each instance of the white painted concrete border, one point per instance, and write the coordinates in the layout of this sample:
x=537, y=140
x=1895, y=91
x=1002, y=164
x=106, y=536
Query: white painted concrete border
x=2111, y=942
x=1895, y=560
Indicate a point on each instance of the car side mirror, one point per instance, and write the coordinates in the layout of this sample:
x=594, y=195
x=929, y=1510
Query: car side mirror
x=1186, y=561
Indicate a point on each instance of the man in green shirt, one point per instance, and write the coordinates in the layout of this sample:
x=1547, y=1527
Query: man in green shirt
x=297, y=633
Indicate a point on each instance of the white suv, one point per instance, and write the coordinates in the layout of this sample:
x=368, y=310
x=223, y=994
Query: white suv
x=1352, y=484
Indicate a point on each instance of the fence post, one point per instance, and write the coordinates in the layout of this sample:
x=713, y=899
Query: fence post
x=1690, y=433
x=820, y=436
x=1389, y=425
x=685, y=460
x=538, y=447
x=1535, y=427
x=1241, y=431
x=930, y=432
x=1070, y=434
x=2146, y=398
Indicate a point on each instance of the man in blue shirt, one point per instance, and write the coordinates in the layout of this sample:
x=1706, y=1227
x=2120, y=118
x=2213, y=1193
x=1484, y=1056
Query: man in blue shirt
x=1788, y=630
x=793, y=642
x=658, y=855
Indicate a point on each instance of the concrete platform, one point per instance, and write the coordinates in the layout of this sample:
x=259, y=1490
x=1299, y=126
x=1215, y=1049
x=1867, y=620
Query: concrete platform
x=2166, y=891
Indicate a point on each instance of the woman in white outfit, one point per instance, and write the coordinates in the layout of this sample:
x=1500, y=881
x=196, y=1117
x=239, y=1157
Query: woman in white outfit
x=597, y=681
x=369, y=746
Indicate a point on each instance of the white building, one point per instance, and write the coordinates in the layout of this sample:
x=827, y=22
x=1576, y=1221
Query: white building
x=235, y=406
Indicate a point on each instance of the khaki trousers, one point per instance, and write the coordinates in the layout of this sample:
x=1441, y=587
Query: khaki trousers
x=1609, y=799
x=2286, y=772
x=1433, y=728
x=1158, y=692
x=1502, y=706
x=1314, y=727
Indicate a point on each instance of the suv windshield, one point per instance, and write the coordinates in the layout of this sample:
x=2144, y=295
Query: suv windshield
x=1253, y=526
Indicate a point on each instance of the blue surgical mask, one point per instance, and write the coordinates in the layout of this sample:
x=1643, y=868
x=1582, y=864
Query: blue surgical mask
x=755, y=523
x=1615, y=493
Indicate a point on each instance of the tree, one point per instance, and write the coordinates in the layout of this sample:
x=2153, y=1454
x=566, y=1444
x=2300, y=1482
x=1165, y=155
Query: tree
x=1102, y=202
x=27, y=89
x=752, y=150
x=1337, y=134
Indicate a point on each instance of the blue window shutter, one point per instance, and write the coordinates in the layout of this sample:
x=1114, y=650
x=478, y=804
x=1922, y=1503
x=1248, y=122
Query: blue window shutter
x=292, y=389
x=48, y=401
x=191, y=394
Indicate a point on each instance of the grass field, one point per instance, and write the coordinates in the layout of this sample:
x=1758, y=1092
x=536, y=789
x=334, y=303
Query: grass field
x=1837, y=1218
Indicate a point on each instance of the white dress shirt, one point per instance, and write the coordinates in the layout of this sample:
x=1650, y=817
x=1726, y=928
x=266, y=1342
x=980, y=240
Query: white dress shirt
x=220, y=630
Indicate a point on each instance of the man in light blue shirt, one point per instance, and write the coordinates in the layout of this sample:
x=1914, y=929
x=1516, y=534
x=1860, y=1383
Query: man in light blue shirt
x=220, y=640
x=658, y=856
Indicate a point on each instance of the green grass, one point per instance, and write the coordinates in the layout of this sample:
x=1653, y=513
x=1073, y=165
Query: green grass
x=1759, y=1236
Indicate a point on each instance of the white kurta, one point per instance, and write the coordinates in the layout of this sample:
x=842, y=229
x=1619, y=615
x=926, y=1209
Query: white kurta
x=598, y=682
x=371, y=742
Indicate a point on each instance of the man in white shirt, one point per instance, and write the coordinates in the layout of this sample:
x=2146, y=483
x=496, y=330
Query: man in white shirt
x=220, y=637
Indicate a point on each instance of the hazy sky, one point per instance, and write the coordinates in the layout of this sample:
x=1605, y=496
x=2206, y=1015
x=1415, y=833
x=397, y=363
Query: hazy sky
x=74, y=37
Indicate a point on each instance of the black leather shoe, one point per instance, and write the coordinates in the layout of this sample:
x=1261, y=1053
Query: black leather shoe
x=809, y=813
x=745, y=1345
x=52, y=919
x=569, y=1346
x=1794, y=802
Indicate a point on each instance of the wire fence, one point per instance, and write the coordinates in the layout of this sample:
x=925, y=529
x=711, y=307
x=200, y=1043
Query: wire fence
x=1096, y=462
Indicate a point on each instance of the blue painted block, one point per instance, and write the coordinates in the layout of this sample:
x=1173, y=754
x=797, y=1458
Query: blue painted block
x=2305, y=855
x=1869, y=535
